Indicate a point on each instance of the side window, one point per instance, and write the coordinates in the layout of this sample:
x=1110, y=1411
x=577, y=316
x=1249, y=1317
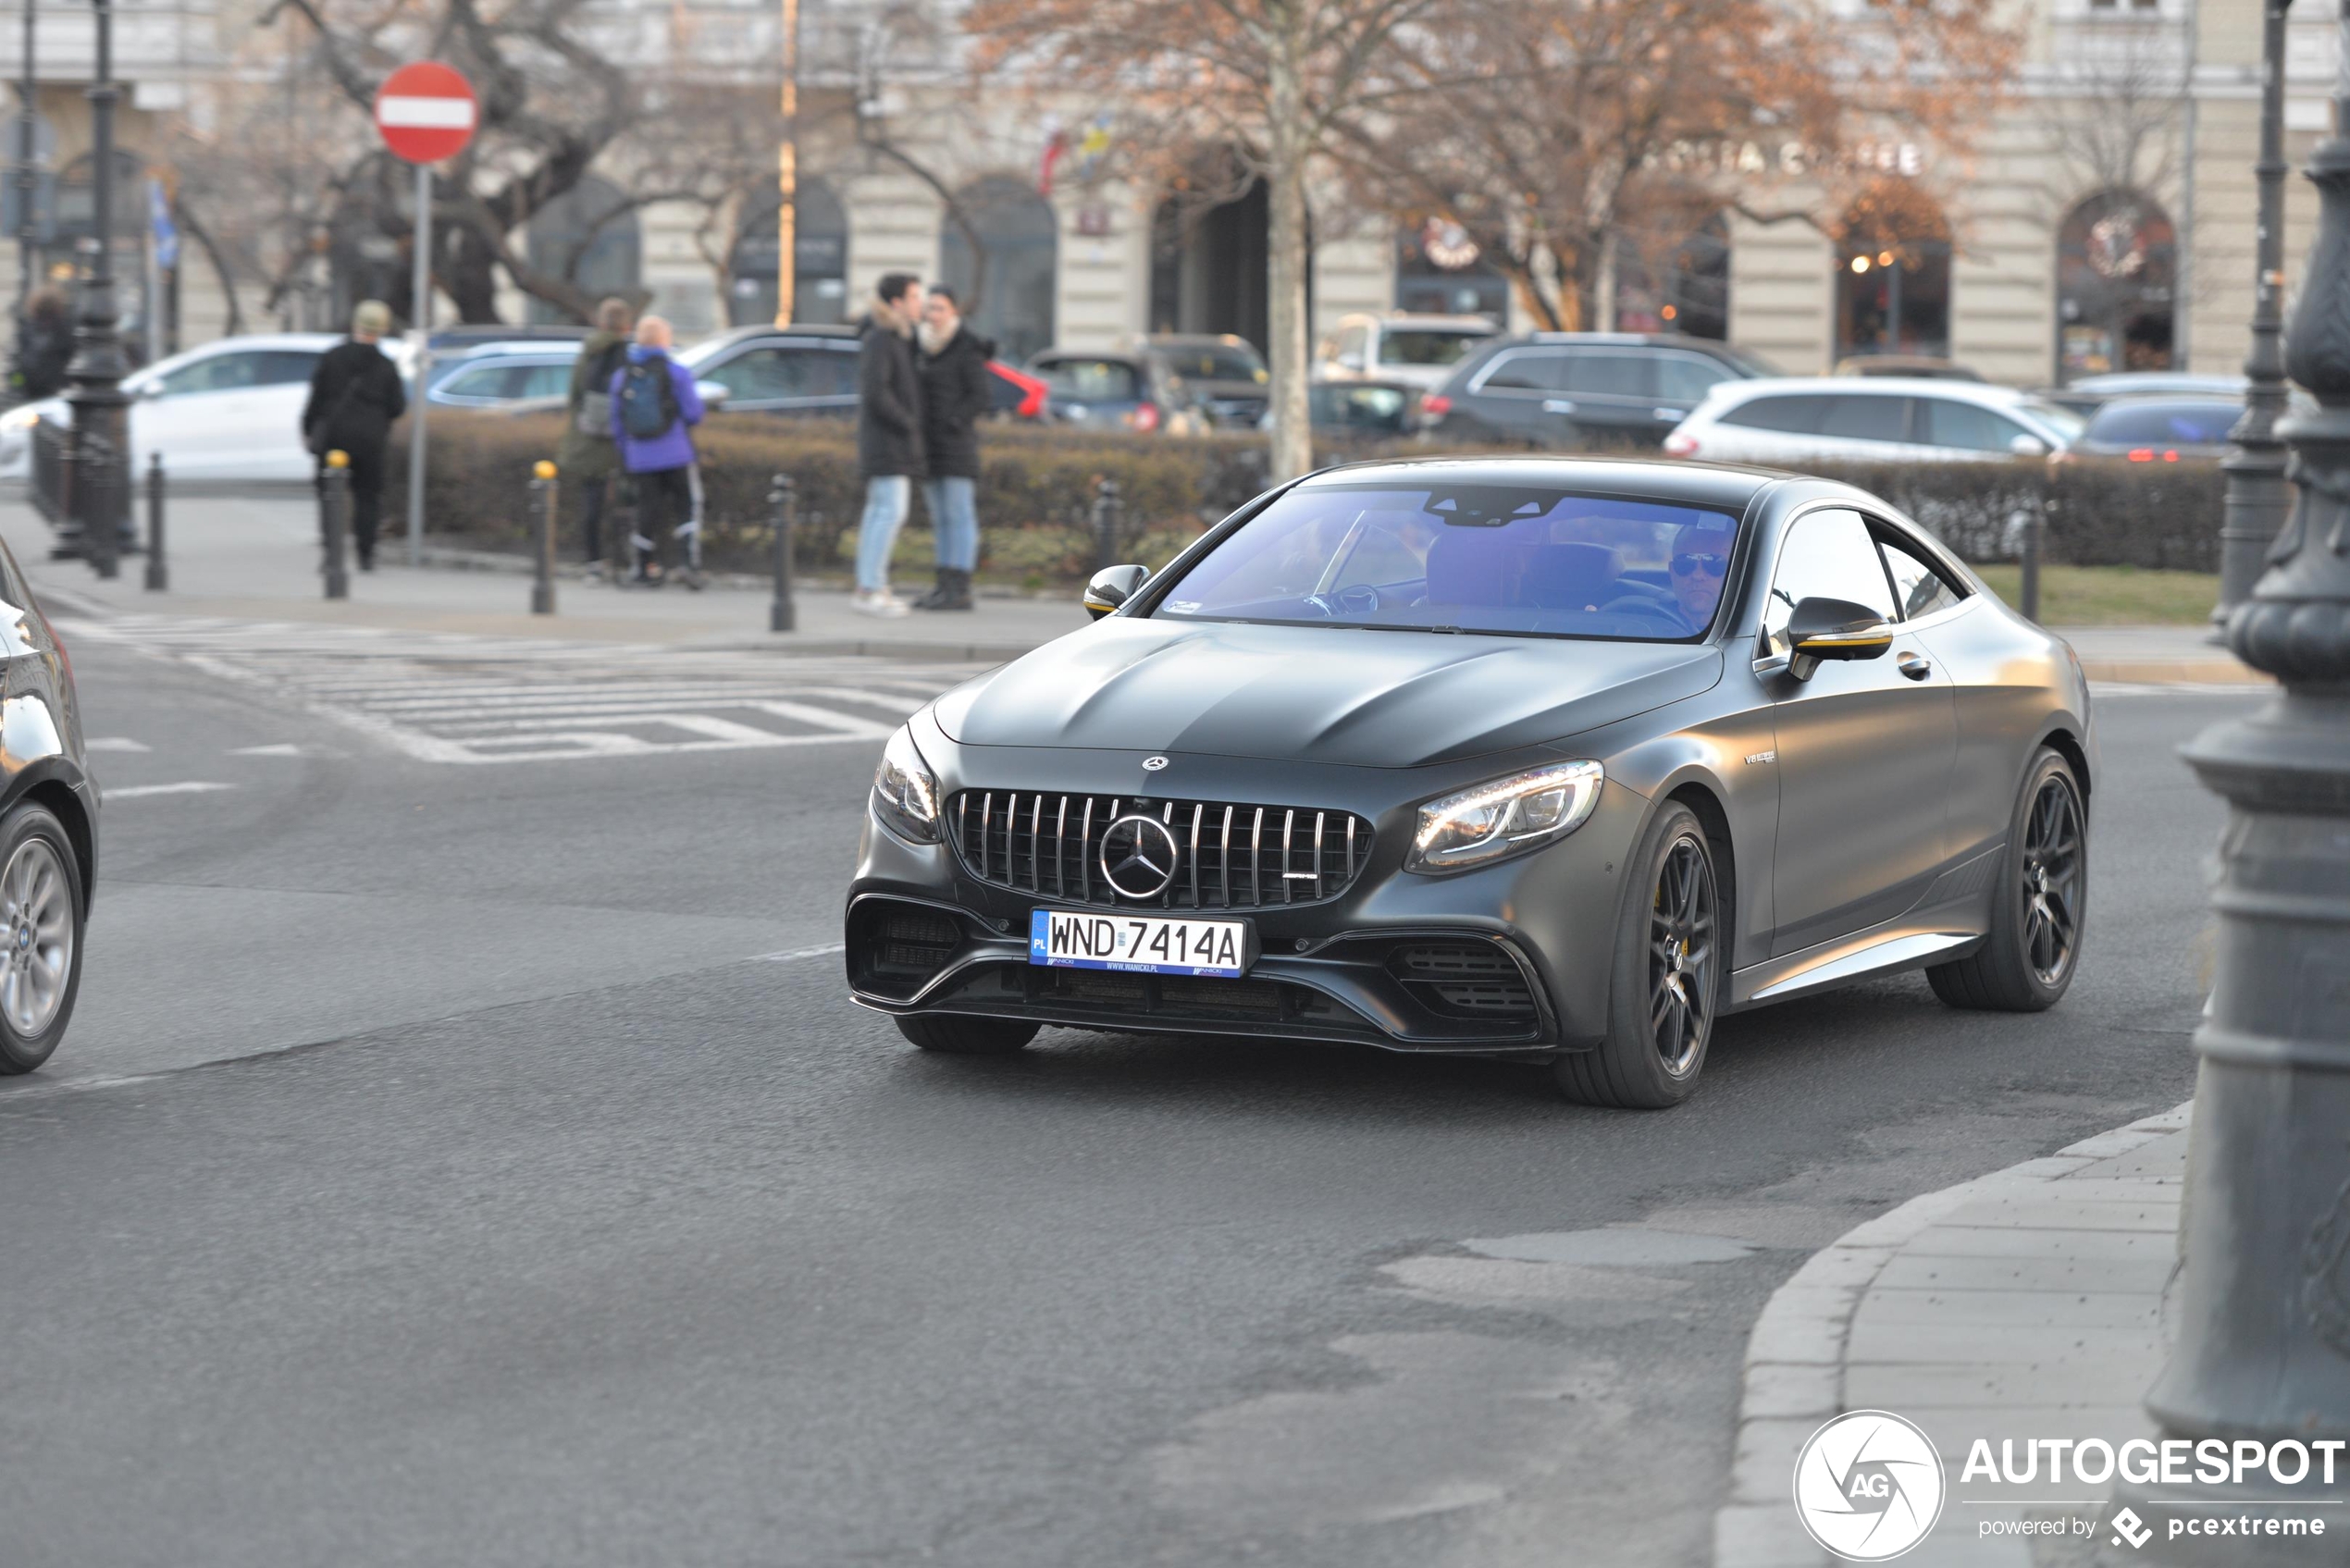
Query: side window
x=481, y=381
x=760, y=372
x=1918, y=587
x=1798, y=415
x=1608, y=376
x=1526, y=372
x=1966, y=427
x=1867, y=416
x=221, y=373
x=1826, y=555
x=279, y=368
x=1685, y=378
x=832, y=374
x=546, y=381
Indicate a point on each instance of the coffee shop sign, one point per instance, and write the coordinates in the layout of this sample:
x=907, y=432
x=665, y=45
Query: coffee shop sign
x=1793, y=159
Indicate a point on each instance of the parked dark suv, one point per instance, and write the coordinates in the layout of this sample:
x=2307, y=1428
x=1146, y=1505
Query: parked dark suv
x=1582, y=389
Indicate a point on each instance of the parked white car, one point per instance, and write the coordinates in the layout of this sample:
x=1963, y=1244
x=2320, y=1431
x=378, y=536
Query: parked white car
x=230, y=410
x=1869, y=419
x=1410, y=351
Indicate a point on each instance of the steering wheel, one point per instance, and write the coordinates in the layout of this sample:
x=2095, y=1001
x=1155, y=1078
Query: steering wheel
x=1360, y=600
x=1636, y=604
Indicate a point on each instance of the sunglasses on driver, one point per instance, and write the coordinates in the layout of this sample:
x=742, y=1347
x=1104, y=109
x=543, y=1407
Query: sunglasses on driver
x=1689, y=565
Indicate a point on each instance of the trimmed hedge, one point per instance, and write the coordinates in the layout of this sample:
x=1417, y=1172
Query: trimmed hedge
x=1037, y=489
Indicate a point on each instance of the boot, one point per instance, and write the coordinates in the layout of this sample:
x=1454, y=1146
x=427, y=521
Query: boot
x=958, y=588
x=940, y=596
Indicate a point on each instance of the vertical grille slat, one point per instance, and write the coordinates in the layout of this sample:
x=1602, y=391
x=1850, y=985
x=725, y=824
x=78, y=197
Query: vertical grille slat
x=990, y=826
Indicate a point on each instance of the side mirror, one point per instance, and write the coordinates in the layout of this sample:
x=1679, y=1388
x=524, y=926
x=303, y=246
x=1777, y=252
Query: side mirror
x=1833, y=628
x=1112, y=587
x=713, y=393
x=2028, y=446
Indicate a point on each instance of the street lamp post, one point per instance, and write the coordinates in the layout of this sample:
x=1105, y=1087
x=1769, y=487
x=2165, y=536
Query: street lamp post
x=28, y=177
x=787, y=174
x=101, y=422
x=2256, y=500
x=2264, y=1305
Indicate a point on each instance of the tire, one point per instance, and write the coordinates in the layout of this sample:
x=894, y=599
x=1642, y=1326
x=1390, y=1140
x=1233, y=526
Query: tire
x=1665, y=986
x=952, y=1035
x=42, y=911
x=2039, y=911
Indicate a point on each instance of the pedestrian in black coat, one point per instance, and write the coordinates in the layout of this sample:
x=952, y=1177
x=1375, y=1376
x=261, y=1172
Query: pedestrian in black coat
x=354, y=396
x=958, y=388
x=889, y=436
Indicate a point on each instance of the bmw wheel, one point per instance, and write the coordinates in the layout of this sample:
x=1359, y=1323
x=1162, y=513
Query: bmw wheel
x=1667, y=981
x=2027, y=961
x=40, y=919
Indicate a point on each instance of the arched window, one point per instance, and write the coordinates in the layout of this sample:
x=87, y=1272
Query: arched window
x=1006, y=289
x=2117, y=273
x=588, y=234
x=1675, y=281
x=1892, y=274
x=819, y=259
x=1439, y=271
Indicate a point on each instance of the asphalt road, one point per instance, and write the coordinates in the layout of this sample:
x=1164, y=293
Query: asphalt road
x=441, y=1172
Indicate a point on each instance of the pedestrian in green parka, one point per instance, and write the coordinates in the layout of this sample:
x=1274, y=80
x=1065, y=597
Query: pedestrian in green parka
x=587, y=460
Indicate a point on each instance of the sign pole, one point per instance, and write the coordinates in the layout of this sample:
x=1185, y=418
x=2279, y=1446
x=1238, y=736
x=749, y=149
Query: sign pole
x=420, y=329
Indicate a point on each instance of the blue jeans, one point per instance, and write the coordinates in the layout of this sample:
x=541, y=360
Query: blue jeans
x=885, y=501
x=954, y=511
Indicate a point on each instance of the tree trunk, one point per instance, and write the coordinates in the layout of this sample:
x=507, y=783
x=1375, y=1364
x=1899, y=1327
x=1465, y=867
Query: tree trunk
x=1286, y=281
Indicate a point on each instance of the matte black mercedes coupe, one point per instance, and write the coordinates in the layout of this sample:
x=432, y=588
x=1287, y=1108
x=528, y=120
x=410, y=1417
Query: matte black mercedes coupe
x=1544, y=759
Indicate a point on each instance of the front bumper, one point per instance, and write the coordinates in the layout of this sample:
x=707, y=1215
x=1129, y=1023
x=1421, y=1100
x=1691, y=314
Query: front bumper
x=1511, y=959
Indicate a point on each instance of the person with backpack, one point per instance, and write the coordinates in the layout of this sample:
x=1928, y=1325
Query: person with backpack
x=587, y=459
x=654, y=409
x=958, y=388
x=889, y=435
x=356, y=394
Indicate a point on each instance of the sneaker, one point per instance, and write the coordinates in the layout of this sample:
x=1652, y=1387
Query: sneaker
x=877, y=601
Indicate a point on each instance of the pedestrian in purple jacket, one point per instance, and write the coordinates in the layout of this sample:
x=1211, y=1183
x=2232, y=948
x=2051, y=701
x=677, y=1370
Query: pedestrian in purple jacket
x=654, y=408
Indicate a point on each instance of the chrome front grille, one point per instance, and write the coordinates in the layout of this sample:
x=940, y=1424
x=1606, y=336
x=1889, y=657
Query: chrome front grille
x=1228, y=856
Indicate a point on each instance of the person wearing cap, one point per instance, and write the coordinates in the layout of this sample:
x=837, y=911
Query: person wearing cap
x=354, y=396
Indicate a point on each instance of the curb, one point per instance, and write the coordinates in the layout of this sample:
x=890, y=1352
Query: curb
x=2218, y=671
x=1795, y=1355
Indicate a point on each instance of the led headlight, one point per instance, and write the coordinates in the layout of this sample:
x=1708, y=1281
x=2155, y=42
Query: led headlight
x=1507, y=817
x=905, y=791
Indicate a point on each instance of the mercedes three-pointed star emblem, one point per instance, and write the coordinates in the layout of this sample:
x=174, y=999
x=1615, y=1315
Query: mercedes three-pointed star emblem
x=1138, y=855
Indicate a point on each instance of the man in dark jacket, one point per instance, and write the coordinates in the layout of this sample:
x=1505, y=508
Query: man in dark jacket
x=889, y=435
x=957, y=388
x=354, y=396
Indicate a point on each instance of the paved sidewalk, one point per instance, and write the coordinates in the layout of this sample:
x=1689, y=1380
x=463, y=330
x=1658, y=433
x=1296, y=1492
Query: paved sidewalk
x=2028, y=1303
x=257, y=558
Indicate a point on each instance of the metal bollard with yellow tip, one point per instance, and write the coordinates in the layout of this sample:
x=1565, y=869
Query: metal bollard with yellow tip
x=542, y=585
x=334, y=520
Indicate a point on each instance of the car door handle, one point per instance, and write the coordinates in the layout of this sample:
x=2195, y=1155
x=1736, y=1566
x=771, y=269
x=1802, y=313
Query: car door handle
x=1557, y=405
x=1915, y=665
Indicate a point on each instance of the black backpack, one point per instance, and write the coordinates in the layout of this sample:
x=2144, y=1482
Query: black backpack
x=648, y=400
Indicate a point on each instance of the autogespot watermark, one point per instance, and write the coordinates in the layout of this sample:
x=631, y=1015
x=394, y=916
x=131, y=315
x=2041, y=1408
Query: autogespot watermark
x=1870, y=1485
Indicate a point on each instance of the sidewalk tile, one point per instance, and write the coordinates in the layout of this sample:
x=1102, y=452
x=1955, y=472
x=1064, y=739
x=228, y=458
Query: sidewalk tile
x=2086, y=1384
x=1987, y=1345
x=1945, y=1308
x=2052, y=1212
x=1923, y=1270
x=2083, y=1246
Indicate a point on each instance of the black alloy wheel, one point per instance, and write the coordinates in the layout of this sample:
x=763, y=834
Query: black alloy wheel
x=2039, y=912
x=1681, y=949
x=1666, y=983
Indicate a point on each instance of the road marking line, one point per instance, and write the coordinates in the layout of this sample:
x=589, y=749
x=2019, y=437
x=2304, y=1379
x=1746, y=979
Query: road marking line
x=282, y=748
x=115, y=742
x=190, y=786
x=826, y=951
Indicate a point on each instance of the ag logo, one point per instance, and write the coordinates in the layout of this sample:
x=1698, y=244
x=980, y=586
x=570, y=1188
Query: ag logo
x=1868, y=1486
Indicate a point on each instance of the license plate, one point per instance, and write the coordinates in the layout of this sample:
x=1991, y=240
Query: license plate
x=1065, y=939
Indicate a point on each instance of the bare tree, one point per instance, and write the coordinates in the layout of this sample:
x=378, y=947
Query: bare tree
x=1270, y=81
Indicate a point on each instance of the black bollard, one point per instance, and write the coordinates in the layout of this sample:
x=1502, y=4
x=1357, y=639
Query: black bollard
x=1108, y=511
x=543, y=585
x=158, y=575
x=783, y=514
x=334, y=520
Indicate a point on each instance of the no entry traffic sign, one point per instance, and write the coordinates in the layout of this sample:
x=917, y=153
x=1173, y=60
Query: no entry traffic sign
x=425, y=112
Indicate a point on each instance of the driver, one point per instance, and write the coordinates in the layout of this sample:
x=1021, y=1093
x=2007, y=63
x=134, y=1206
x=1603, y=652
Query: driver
x=1700, y=561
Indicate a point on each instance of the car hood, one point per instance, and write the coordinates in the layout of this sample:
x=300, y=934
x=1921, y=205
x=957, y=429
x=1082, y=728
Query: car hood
x=1365, y=699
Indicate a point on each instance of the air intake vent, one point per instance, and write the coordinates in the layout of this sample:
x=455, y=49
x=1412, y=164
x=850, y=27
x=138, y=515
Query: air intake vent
x=1465, y=980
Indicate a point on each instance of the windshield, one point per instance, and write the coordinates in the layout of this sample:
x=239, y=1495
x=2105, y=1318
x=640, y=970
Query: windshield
x=2056, y=416
x=2165, y=425
x=1438, y=345
x=1213, y=361
x=1090, y=380
x=1468, y=557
